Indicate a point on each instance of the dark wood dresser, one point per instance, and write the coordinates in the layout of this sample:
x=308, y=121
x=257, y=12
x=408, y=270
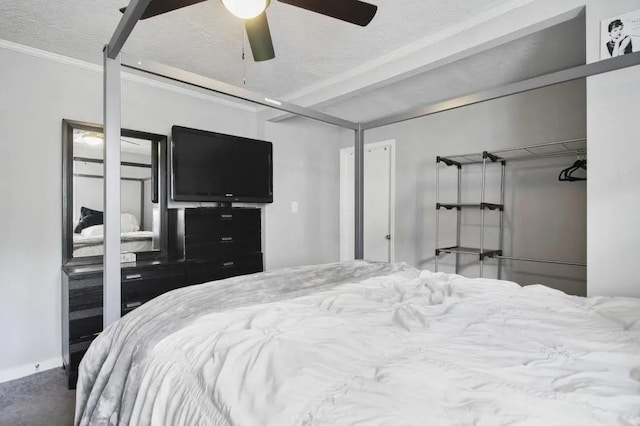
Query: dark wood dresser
x=208, y=244
x=82, y=301
x=221, y=242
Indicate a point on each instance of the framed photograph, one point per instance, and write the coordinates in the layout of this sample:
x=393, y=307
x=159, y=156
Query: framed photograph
x=620, y=35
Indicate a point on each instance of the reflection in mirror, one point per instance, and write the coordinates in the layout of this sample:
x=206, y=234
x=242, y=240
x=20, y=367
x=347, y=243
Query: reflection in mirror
x=136, y=220
x=142, y=198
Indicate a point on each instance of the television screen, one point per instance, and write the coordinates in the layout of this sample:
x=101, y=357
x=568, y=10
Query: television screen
x=208, y=166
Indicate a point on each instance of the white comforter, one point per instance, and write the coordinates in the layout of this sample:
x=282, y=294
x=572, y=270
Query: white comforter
x=403, y=348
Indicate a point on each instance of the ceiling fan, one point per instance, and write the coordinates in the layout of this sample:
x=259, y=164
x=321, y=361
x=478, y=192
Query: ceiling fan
x=254, y=14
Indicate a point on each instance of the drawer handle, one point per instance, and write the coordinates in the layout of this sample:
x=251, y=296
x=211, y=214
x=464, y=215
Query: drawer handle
x=133, y=276
x=226, y=239
x=226, y=216
x=228, y=264
x=133, y=304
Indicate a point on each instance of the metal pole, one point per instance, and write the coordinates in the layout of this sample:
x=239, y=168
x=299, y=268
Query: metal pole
x=134, y=11
x=437, y=212
x=359, y=193
x=555, y=262
x=569, y=74
x=459, y=216
x=501, y=238
x=195, y=80
x=111, y=264
x=484, y=170
x=142, y=199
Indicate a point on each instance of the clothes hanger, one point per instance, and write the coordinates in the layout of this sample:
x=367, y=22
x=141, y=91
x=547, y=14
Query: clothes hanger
x=566, y=175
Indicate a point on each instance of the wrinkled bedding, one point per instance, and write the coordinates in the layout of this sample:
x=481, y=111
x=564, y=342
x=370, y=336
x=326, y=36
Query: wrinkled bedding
x=366, y=343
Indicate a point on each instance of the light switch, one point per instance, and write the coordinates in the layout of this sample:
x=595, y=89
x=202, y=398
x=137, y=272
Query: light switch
x=294, y=207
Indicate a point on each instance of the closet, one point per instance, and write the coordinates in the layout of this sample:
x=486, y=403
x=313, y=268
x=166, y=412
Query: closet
x=489, y=200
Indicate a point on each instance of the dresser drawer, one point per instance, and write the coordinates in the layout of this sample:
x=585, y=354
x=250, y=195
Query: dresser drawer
x=136, y=291
x=223, y=266
x=83, y=323
x=151, y=272
x=204, y=224
x=85, y=292
x=77, y=349
x=198, y=249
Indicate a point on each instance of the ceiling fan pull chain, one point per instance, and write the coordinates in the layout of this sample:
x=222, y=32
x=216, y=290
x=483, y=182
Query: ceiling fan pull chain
x=244, y=65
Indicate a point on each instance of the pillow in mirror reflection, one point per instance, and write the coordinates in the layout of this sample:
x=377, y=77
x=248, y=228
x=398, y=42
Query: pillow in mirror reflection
x=93, y=231
x=128, y=223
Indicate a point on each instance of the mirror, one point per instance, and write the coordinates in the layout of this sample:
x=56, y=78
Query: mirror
x=143, y=189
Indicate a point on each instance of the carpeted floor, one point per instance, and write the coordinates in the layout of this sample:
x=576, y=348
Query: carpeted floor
x=41, y=399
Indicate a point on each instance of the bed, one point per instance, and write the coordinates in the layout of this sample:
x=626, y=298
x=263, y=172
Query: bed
x=88, y=236
x=130, y=242
x=366, y=343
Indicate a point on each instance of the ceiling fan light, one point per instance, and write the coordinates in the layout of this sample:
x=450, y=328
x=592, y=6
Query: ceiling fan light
x=91, y=139
x=245, y=9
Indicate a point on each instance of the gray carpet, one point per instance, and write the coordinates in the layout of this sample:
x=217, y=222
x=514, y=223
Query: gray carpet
x=40, y=399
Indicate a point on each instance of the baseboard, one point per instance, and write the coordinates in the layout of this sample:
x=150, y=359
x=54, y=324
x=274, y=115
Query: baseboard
x=24, y=370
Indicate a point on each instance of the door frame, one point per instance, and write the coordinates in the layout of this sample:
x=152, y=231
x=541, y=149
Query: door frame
x=344, y=152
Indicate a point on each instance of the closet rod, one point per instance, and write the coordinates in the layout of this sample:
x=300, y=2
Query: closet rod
x=556, y=262
x=549, y=155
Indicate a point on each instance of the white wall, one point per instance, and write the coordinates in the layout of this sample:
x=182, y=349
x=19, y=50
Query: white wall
x=306, y=171
x=37, y=93
x=614, y=149
x=545, y=115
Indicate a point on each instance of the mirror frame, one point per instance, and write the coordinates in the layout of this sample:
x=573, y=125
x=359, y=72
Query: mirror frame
x=158, y=180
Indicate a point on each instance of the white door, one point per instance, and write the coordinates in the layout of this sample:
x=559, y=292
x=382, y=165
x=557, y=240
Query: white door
x=378, y=202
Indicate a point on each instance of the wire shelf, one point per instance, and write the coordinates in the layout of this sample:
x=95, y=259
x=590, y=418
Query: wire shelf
x=551, y=149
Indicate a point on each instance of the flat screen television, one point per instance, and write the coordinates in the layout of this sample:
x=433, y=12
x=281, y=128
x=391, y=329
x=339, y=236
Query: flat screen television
x=208, y=166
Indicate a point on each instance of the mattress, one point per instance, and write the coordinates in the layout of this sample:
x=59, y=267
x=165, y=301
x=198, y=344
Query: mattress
x=366, y=343
x=130, y=242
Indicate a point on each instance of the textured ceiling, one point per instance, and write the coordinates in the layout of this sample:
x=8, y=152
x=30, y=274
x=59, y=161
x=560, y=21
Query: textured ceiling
x=555, y=48
x=206, y=39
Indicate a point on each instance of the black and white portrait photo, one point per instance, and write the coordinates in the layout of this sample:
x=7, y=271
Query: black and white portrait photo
x=620, y=35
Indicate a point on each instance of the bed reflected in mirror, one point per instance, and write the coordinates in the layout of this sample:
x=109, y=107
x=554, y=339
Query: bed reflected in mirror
x=142, y=211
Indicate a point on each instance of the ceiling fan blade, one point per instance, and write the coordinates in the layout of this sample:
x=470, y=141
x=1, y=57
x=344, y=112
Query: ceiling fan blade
x=158, y=7
x=353, y=11
x=260, y=37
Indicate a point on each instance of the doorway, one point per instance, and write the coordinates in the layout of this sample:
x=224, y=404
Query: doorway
x=379, y=202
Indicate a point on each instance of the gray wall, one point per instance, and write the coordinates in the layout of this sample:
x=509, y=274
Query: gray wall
x=306, y=171
x=38, y=91
x=544, y=218
x=36, y=95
